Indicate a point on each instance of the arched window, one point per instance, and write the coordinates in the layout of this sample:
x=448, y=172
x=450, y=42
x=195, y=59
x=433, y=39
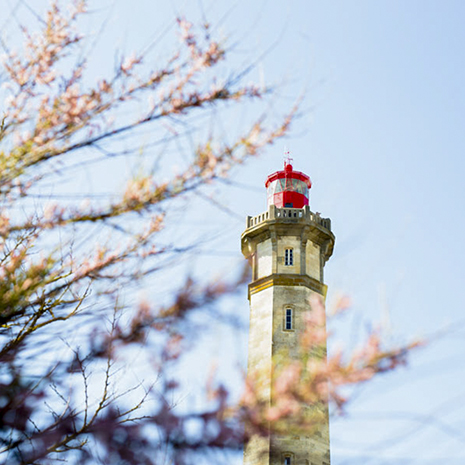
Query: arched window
x=288, y=458
x=288, y=319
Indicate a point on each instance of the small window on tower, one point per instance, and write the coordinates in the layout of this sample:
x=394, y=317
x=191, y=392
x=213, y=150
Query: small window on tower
x=288, y=320
x=287, y=460
x=289, y=257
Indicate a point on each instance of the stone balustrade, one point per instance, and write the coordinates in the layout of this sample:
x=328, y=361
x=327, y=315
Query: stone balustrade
x=288, y=214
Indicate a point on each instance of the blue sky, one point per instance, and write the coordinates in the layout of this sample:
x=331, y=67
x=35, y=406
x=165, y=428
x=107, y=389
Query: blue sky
x=383, y=142
x=382, y=137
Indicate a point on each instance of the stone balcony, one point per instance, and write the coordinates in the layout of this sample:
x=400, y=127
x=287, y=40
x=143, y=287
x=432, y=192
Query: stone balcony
x=288, y=215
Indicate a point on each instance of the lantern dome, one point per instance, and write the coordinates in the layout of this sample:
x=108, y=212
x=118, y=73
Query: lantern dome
x=288, y=188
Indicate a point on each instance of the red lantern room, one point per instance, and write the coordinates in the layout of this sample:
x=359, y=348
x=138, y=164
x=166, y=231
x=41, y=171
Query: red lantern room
x=288, y=188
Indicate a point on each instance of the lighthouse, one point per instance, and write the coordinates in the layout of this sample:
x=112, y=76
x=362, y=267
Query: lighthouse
x=287, y=246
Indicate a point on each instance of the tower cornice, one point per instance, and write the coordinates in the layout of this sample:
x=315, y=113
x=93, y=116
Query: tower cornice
x=284, y=279
x=300, y=222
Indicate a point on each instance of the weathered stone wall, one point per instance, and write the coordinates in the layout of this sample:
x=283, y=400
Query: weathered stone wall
x=313, y=261
x=285, y=242
x=260, y=364
x=313, y=447
x=268, y=340
x=264, y=258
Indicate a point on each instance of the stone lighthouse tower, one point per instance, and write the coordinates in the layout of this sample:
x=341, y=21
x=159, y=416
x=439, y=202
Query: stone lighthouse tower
x=288, y=246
